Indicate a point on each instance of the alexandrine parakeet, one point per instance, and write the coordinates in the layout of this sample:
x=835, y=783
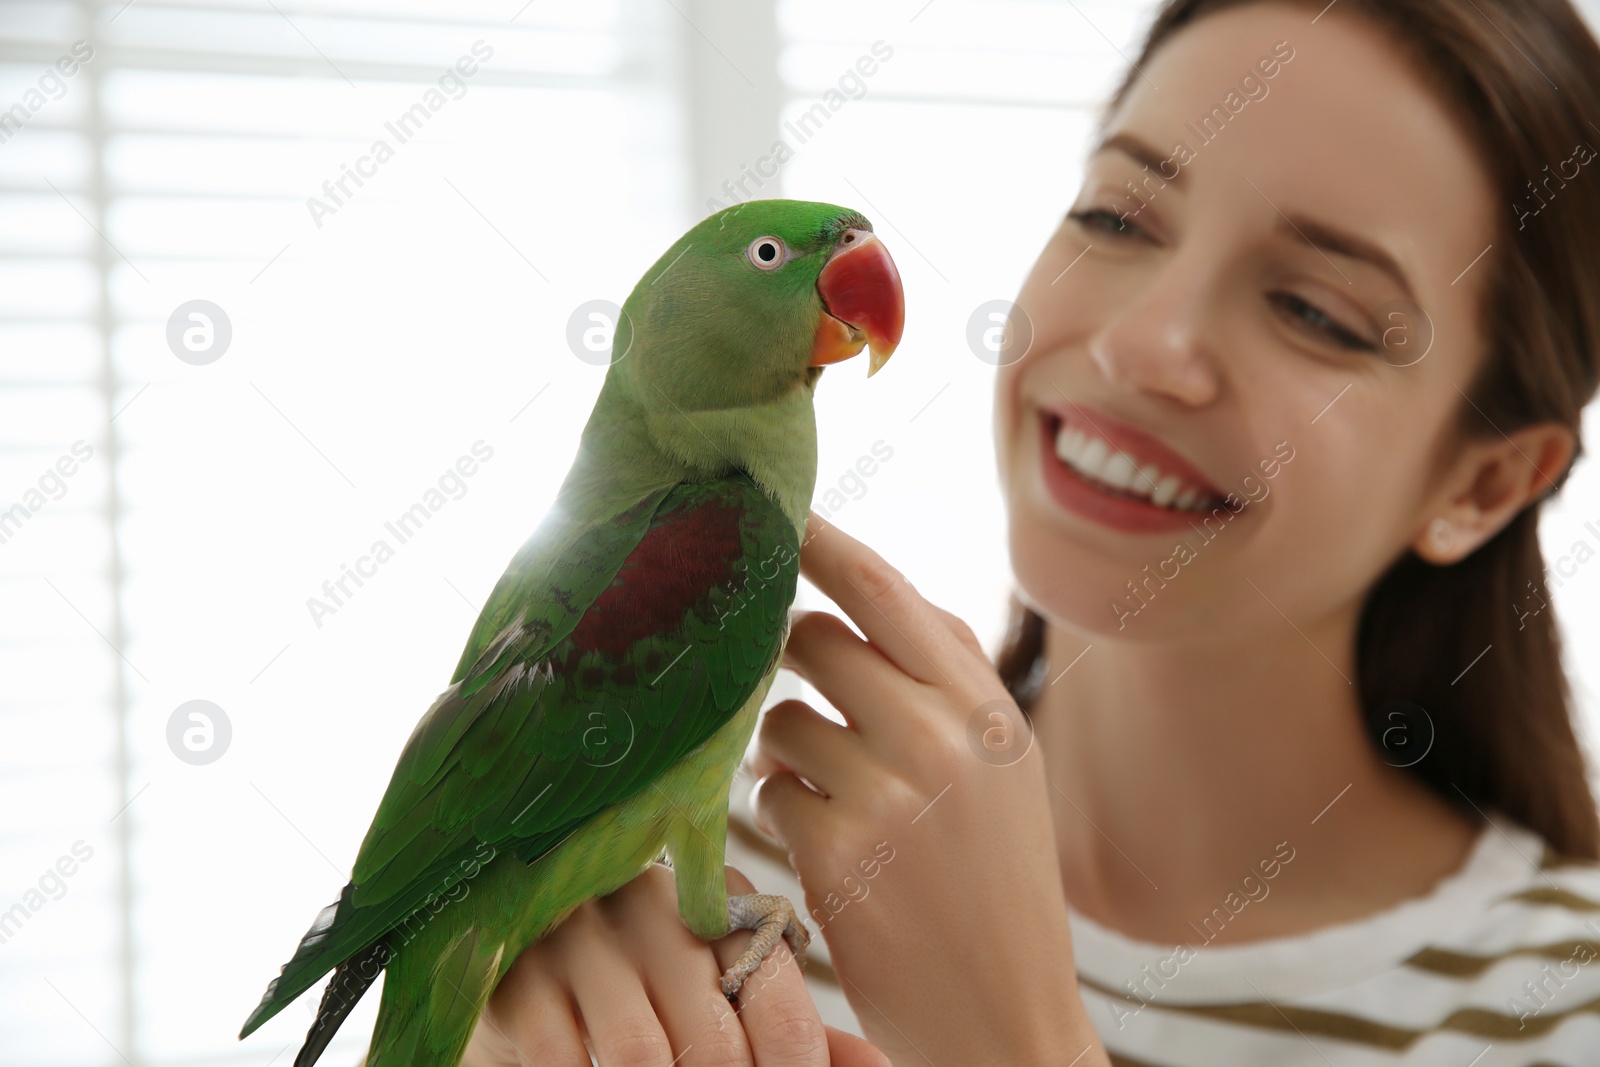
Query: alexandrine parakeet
x=610, y=685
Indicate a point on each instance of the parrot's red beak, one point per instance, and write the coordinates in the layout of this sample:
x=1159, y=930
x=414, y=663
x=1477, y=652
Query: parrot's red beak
x=862, y=300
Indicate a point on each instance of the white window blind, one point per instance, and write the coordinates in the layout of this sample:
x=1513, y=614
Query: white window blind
x=398, y=343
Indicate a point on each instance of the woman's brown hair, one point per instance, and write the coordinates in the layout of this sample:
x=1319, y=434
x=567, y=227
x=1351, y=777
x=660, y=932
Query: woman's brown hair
x=1523, y=77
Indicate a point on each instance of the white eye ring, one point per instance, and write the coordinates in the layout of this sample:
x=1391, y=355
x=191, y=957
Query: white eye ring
x=767, y=253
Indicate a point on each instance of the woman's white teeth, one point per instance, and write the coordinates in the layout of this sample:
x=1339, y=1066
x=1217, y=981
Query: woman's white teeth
x=1119, y=471
x=1088, y=455
x=1092, y=457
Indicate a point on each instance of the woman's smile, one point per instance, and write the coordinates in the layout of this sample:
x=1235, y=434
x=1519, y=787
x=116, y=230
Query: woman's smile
x=1134, y=488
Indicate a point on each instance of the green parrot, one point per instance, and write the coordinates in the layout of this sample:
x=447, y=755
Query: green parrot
x=611, y=684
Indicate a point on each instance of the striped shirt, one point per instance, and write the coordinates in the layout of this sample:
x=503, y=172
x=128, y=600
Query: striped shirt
x=1497, y=966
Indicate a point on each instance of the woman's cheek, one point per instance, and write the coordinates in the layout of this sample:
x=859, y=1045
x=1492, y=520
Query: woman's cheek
x=1007, y=415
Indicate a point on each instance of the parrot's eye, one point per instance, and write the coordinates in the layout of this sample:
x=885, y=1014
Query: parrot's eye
x=766, y=252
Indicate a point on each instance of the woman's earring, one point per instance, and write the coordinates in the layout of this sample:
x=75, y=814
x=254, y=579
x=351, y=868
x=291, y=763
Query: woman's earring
x=1440, y=533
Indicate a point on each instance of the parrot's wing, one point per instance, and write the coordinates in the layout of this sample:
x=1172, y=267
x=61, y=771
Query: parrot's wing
x=554, y=721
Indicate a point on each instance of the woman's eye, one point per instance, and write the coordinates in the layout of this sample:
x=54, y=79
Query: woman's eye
x=1309, y=315
x=1119, y=226
x=1321, y=323
x=766, y=252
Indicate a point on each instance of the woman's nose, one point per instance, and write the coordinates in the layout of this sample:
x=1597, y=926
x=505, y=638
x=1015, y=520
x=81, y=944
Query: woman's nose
x=1158, y=341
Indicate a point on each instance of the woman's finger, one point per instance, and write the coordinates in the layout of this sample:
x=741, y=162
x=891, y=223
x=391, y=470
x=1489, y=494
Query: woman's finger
x=855, y=677
x=962, y=631
x=796, y=736
x=786, y=809
x=892, y=615
x=530, y=1019
x=612, y=1003
x=848, y=1050
x=779, y=1018
x=682, y=980
x=759, y=764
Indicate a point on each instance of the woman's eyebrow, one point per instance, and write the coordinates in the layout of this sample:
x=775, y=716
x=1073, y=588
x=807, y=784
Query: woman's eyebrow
x=1326, y=238
x=1322, y=236
x=1141, y=152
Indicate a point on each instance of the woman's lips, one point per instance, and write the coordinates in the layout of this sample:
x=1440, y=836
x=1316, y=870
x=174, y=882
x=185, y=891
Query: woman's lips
x=1078, y=494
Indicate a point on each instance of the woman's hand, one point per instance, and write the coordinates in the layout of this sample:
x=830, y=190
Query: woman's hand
x=626, y=969
x=927, y=848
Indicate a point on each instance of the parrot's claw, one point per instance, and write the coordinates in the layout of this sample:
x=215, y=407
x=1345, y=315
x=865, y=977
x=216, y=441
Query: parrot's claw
x=771, y=917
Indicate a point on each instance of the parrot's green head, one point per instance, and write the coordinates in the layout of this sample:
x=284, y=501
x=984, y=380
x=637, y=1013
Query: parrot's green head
x=753, y=302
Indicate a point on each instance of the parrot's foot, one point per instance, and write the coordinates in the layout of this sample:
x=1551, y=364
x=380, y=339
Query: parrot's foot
x=771, y=917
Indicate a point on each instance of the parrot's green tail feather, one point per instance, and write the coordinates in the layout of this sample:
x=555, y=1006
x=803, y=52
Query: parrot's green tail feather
x=294, y=978
x=314, y=957
x=430, y=1008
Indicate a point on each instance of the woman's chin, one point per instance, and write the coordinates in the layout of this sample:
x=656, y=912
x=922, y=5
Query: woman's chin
x=1066, y=582
x=1077, y=588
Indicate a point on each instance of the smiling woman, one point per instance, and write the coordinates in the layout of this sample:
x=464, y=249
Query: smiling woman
x=1347, y=679
x=1255, y=700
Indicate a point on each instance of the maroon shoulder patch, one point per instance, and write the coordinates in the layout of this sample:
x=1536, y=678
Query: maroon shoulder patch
x=684, y=554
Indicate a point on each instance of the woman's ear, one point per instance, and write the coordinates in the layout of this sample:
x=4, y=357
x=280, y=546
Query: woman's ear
x=1488, y=486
